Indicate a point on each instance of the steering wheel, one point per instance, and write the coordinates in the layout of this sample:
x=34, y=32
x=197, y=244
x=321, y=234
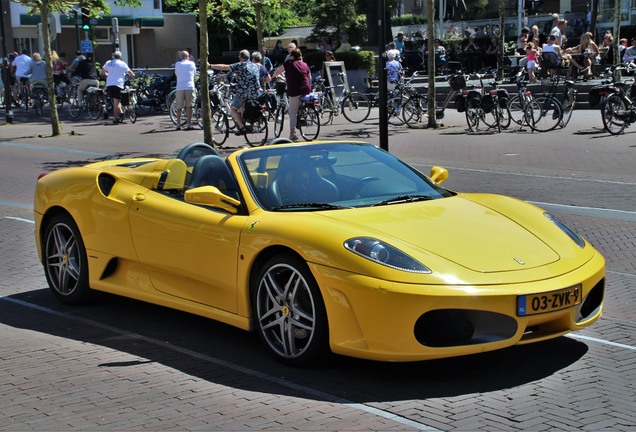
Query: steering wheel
x=361, y=184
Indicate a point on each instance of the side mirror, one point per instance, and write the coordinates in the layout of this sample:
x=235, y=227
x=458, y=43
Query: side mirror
x=438, y=174
x=212, y=197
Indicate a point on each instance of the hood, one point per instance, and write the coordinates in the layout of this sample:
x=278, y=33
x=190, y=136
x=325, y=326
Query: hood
x=456, y=229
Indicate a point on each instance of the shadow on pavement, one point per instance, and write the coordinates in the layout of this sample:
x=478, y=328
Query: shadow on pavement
x=231, y=357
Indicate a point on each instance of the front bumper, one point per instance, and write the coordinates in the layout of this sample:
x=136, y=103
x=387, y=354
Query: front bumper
x=382, y=320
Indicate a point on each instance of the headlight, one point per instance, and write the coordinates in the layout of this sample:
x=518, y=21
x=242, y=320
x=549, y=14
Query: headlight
x=385, y=254
x=566, y=229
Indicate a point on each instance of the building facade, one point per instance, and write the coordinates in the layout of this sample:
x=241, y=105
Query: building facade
x=145, y=35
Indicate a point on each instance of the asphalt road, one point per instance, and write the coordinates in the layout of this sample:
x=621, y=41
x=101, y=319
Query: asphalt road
x=121, y=364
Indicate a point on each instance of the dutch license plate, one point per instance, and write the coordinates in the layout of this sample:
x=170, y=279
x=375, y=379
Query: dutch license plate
x=533, y=304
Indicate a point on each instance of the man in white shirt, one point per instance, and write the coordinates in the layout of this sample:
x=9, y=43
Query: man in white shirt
x=186, y=92
x=116, y=70
x=22, y=69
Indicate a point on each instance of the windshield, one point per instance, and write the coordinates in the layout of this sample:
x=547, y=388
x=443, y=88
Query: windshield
x=332, y=176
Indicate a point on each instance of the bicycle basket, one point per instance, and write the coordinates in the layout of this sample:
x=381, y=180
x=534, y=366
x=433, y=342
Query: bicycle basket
x=457, y=82
x=487, y=103
x=460, y=103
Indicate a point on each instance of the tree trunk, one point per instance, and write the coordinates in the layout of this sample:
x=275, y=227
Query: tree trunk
x=46, y=41
x=430, y=32
x=502, y=40
x=258, y=12
x=617, y=36
x=206, y=114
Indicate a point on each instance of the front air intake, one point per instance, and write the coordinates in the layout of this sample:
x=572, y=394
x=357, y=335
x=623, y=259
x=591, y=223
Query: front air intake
x=457, y=327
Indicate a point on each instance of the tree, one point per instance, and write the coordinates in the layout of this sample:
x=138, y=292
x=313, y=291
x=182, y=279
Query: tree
x=335, y=16
x=46, y=7
x=430, y=30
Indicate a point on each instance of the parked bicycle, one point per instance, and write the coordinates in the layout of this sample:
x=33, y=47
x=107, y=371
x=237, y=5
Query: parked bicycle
x=93, y=102
x=517, y=103
x=547, y=112
x=353, y=105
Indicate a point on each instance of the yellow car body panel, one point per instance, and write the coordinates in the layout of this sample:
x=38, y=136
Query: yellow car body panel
x=144, y=241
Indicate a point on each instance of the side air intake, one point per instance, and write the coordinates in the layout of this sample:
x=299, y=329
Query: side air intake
x=105, y=182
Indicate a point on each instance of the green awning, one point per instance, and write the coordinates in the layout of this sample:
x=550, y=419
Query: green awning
x=104, y=21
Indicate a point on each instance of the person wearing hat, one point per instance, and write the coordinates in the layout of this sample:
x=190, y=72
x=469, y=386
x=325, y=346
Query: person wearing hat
x=116, y=70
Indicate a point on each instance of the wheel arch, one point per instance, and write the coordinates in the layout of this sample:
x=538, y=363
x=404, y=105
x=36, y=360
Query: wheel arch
x=46, y=217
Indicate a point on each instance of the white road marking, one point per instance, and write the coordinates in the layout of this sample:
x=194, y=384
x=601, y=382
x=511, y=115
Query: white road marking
x=18, y=219
x=602, y=341
x=232, y=366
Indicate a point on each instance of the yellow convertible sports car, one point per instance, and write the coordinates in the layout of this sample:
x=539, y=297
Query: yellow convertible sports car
x=318, y=247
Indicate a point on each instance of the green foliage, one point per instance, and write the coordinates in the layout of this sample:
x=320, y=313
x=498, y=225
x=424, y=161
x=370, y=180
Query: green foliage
x=406, y=20
x=476, y=9
x=335, y=17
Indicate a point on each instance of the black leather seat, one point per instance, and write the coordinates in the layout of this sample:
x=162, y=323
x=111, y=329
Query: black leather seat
x=212, y=170
x=298, y=182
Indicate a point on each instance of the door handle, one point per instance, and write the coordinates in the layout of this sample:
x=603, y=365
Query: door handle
x=139, y=197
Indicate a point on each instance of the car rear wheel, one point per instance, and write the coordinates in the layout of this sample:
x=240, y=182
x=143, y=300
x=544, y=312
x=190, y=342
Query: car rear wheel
x=289, y=311
x=64, y=259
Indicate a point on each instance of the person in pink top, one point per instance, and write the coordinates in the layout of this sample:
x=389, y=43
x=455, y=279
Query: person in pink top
x=531, y=56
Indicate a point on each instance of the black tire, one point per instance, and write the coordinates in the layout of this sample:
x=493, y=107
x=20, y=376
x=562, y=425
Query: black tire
x=220, y=127
x=326, y=110
x=291, y=323
x=38, y=105
x=614, y=114
x=394, y=110
x=415, y=111
x=64, y=260
x=504, y=117
x=256, y=131
x=356, y=107
x=543, y=114
x=516, y=108
x=491, y=119
x=568, y=108
x=279, y=121
x=74, y=107
x=132, y=113
x=472, y=118
x=95, y=106
x=309, y=123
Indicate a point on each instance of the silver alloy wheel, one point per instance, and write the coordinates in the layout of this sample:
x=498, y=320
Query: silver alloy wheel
x=62, y=259
x=286, y=311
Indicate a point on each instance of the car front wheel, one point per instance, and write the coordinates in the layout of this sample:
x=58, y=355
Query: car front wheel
x=64, y=259
x=289, y=311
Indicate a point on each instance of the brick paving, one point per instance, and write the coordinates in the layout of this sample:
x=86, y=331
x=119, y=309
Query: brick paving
x=124, y=365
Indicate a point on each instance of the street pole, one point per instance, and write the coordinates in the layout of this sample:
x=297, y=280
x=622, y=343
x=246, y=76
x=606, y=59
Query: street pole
x=6, y=72
x=77, y=31
x=382, y=88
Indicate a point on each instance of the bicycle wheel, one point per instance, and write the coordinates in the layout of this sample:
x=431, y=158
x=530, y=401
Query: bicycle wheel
x=491, y=119
x=279, y=121
x=505, y=118
x=472, y=118
x=543, y=114
x=95, y=106
x=256, y=131
x=143, y=102
x=326, y=110
x=394, y=110
x=515, y=108
x=414, y=112
x=309, y=123
x=38, y=101
x=220, y=127
x=131, y=112
x=356, y=107
x=173, y=114
x=172, y=96
x=568, y=108
x=74, y=106
x=614, y=114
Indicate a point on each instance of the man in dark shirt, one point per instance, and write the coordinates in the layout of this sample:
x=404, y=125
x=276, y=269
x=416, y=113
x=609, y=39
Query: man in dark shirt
x=86, y=70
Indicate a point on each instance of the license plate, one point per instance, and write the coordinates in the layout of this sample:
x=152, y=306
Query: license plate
x=533, y=304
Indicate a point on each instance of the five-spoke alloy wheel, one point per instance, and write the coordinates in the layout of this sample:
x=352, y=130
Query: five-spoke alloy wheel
x=289, y=311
